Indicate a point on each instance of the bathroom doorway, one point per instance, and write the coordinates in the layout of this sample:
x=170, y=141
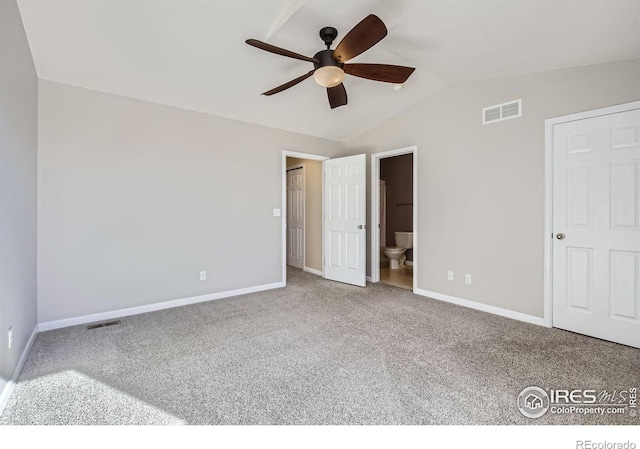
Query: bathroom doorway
x=394, y=218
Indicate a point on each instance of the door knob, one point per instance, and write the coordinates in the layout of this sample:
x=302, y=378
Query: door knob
x=560, y=236
x=360, y=227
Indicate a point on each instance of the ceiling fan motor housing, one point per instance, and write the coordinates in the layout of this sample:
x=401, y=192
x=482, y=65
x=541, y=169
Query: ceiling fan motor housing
x=326, y=59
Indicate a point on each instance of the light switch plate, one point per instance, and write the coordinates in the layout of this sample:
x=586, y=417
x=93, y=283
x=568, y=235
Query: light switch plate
x=276, y=212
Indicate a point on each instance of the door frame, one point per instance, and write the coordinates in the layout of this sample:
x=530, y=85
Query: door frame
x=548, y=193
x=304, y=212
x=375, y=210
x=283, y=210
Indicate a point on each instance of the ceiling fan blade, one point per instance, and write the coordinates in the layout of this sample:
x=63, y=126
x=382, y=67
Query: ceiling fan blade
x=279, y=51
x=362, y=37
x=380, y=72
x=291, y=83
x=337, y=96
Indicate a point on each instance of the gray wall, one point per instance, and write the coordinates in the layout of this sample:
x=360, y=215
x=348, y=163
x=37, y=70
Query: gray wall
x=18, y=149
x=481, y=188
x=397, y=172
x=312, y=211
x=135, y=199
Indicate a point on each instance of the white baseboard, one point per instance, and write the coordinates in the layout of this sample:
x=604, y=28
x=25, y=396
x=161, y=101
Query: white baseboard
x=482, y=307
x=312, y=271
x=369, y=279
x=67, y=322
x=8, y=388
x=409, y=263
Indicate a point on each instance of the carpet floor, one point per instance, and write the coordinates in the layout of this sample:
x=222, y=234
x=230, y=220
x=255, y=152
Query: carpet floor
x=315, y=352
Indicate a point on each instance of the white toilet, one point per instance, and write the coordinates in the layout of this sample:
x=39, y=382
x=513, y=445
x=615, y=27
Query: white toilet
x=395, y=254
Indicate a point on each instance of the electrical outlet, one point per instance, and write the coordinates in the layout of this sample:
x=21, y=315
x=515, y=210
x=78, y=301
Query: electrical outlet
x=467, y=279
x=10, y=337
x=203, y=275
x=450, y=275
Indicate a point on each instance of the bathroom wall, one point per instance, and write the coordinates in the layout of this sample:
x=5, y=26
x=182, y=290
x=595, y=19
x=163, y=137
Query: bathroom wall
x=397, y=172
x=312, y=211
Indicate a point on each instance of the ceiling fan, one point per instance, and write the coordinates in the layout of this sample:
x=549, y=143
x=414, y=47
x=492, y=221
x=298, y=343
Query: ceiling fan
x=329, y=65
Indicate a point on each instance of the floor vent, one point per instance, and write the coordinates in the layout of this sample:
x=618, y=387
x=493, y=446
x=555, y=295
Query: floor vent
x=504, y=111
x=103, y=324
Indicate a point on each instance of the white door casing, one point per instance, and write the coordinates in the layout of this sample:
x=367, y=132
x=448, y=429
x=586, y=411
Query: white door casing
x=596, y=208
x=345, y=219
x=295, y=217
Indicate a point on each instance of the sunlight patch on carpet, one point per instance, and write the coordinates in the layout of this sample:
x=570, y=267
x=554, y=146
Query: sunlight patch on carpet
x=87, y=402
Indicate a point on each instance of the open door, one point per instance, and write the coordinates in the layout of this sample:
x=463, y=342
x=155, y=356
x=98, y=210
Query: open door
x=344, y=219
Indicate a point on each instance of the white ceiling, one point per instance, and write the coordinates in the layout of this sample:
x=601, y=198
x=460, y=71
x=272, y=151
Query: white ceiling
x=191, y=54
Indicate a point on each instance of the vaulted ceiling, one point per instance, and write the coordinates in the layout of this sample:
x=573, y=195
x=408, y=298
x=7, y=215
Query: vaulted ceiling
x=191, y=53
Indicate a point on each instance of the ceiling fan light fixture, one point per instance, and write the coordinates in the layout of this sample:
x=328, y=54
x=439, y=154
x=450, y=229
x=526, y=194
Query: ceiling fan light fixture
x=329, y=66
x=328, y=76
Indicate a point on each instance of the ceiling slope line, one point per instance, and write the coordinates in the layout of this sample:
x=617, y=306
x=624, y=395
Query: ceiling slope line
x=287, y=13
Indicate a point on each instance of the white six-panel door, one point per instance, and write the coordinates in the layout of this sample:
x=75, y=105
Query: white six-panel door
x=344, y=219
x=596, y=221
x=295, y=217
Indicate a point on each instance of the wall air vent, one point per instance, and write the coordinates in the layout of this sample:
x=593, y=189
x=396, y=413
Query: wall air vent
x=504, y=111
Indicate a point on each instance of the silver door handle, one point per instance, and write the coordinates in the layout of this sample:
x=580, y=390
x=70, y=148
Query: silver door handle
x=361, y=227
x=560, y=236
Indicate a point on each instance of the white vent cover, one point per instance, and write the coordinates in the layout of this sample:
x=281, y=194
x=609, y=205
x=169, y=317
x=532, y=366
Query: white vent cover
x=504, y=111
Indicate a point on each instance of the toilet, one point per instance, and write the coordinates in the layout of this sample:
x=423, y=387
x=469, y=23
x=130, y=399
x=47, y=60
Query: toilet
x=395, y=254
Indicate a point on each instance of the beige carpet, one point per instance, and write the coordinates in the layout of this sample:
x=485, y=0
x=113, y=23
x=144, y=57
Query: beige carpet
x=316, y=352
